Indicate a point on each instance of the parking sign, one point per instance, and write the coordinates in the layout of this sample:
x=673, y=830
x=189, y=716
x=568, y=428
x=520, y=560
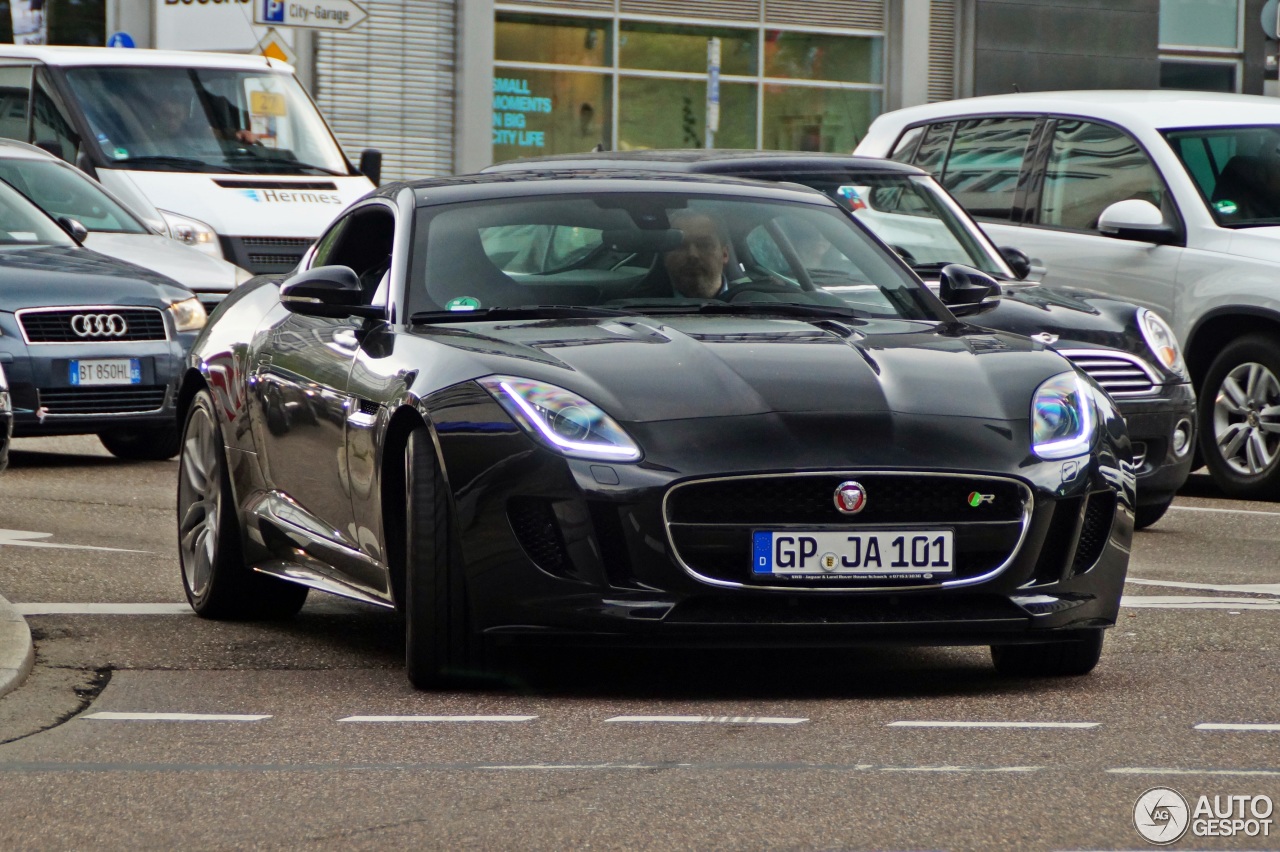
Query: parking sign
x=273, y=11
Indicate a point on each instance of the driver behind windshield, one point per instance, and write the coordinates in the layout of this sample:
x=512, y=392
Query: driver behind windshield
x=696, y=267
x=176, y=113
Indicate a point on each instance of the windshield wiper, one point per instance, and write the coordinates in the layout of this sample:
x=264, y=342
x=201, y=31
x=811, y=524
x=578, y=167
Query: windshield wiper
x=185, y=163
x=519, y=312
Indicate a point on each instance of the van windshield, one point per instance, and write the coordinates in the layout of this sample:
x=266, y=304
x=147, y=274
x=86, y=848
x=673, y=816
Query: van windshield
x=205, y=120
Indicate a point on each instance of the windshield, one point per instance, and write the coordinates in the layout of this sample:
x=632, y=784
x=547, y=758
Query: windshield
x=205, y=120
x=64, y=191
x=22, y=223
x=911, y=214
x=657, y=252
x=1236, y=169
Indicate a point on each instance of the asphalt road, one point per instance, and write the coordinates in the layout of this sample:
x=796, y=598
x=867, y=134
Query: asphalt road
x=142, y=726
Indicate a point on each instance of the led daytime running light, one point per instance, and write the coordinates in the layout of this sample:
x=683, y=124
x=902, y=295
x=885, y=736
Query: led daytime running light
x=622, y=453
x=1074, y=444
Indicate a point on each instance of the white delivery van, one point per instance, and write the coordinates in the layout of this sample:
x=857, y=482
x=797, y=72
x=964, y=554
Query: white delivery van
x=224, y=152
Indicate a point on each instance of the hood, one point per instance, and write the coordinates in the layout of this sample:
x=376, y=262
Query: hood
x=48, y=276
x=731, y=366
x=247, y=205
x=188, y=266
x=1065, y=318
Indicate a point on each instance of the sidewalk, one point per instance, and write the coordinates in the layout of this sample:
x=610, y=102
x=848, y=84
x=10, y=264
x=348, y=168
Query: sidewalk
x=16, y=651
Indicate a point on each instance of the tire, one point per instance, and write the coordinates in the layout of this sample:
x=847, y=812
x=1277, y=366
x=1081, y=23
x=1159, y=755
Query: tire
x=439, y=647
x=1145, y=516
x=1064, y=658
x=154, y=444
x=1240, y=419
x=218, y=583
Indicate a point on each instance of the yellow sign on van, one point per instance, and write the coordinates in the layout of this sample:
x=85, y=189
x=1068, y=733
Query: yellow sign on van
x=267, y=103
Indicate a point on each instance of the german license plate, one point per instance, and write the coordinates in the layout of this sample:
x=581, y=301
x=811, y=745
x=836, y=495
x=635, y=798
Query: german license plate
x=866, y=554
x=116, y=371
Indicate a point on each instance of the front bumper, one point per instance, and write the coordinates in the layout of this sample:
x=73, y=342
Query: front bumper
x=1151, y=423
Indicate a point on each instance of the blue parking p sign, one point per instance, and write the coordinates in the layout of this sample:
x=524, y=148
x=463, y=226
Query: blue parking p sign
x=273, y=11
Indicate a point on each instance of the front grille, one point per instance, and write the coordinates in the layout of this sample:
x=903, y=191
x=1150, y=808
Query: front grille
x=55, y=325
x=1119, y=373
x=265, y=255
x=122, y=400
x=275, y=261
x=711, y=523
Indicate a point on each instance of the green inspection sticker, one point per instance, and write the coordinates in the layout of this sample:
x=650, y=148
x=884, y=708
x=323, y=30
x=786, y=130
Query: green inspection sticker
x=121, y=153
x=462, y=303
x=1225, y=206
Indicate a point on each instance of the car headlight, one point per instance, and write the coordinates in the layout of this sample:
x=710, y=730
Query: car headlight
x=5, y=405
x=193, y=232
x=1161, y=340
x=1062, y=417
x=562, y=419
x=188, y=315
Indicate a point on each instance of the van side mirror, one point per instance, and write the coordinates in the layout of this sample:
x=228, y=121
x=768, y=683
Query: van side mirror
x=1019, y=263
x=1136, y=219
x=74, y=229
x=965, y=289
x=371, y=165
x=328, y=291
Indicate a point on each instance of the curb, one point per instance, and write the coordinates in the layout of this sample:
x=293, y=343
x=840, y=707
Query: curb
x=17, y=654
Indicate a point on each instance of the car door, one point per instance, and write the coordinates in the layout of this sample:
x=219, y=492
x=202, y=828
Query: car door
x=300, y=405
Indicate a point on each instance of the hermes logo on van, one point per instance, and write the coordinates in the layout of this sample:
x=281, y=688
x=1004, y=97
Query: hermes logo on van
x=276, y=196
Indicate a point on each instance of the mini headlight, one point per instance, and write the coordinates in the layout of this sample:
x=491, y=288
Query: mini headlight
x=188, y=315
x=1161, y=340
x=562, y=419
x=1062, y=417
x=193, y=232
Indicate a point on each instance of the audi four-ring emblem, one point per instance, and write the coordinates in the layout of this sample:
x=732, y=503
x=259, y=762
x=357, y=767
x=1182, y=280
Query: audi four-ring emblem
x=99, y=325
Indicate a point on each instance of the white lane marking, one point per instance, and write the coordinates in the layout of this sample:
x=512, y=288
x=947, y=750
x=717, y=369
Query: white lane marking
x=1224, y=511
x=559, y=766
x=26, y=538
x=1219, y=726
x=175, y=717
x=961, y=768
x=1194, y=602
x=1243, y=588
x=922, y=724
x=1146, y=770
x=103, y=609
x=728, y=720
x=438, y=719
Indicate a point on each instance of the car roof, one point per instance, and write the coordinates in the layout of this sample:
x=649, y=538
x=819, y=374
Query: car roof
x=12, y=149
x=1154, y=108
x=71, y=56
x=714, y=161
x=509, y=184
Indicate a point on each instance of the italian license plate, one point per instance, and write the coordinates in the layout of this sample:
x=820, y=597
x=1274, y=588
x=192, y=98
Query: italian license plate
x=116, y=371
x=866, y=554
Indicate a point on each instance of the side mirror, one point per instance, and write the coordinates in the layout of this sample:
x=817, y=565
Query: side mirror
x=1019, y=263
x=371, y=165
x=74, y=229
x=964, y=289
x=1135, y=219
x=328, y=291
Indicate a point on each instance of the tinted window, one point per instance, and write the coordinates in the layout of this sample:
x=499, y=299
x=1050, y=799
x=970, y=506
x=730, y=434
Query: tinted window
x=933, y=148
x=1235, y=169
x=1092, y=166
x=15, y=89
x=986, y=158
x=905, y=150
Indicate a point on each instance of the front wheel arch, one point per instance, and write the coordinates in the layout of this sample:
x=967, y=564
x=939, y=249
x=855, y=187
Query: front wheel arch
x=394, y=446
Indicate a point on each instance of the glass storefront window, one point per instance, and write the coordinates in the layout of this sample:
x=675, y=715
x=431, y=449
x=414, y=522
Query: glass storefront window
x=661, y=113
x=562, y=41
x=812, y=56
x=1200, y=23
x=804, y=118
x=549, y=112
x=1198, y=76
x=662, y=47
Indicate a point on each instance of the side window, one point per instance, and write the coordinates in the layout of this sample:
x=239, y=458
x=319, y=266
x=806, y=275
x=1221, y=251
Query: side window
x=1092, y=166
x=51, y=128
x=364, y=245
x=15, y=91
x=986, y=159
x=933, y=148
x=906, y=147
x=327, y=243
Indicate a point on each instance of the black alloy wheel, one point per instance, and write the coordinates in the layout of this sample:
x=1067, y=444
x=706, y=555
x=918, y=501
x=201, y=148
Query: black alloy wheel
x=215, y=577
x=1240, y=419
x=1063, y=658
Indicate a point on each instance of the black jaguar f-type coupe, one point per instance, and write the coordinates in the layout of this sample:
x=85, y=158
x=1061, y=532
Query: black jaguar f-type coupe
x=633, y=408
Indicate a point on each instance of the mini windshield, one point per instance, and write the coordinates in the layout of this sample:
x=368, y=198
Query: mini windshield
x=22, y=223
x=61, y=190
x=205, y=120
x=1236, y=169
x=657, y=252
x=911, y=214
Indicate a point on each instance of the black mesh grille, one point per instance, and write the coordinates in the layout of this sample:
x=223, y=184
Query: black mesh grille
x=56, y=326
x=534, y=522
x=1095, y=530
x=891, y=498
x=120, y=400
x=1056, y=549
x=265, y=255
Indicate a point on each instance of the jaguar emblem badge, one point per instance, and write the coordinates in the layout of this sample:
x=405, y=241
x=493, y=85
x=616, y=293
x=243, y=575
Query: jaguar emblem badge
x=850, y=498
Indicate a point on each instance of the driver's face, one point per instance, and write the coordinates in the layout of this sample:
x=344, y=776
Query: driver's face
x=697, y=265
